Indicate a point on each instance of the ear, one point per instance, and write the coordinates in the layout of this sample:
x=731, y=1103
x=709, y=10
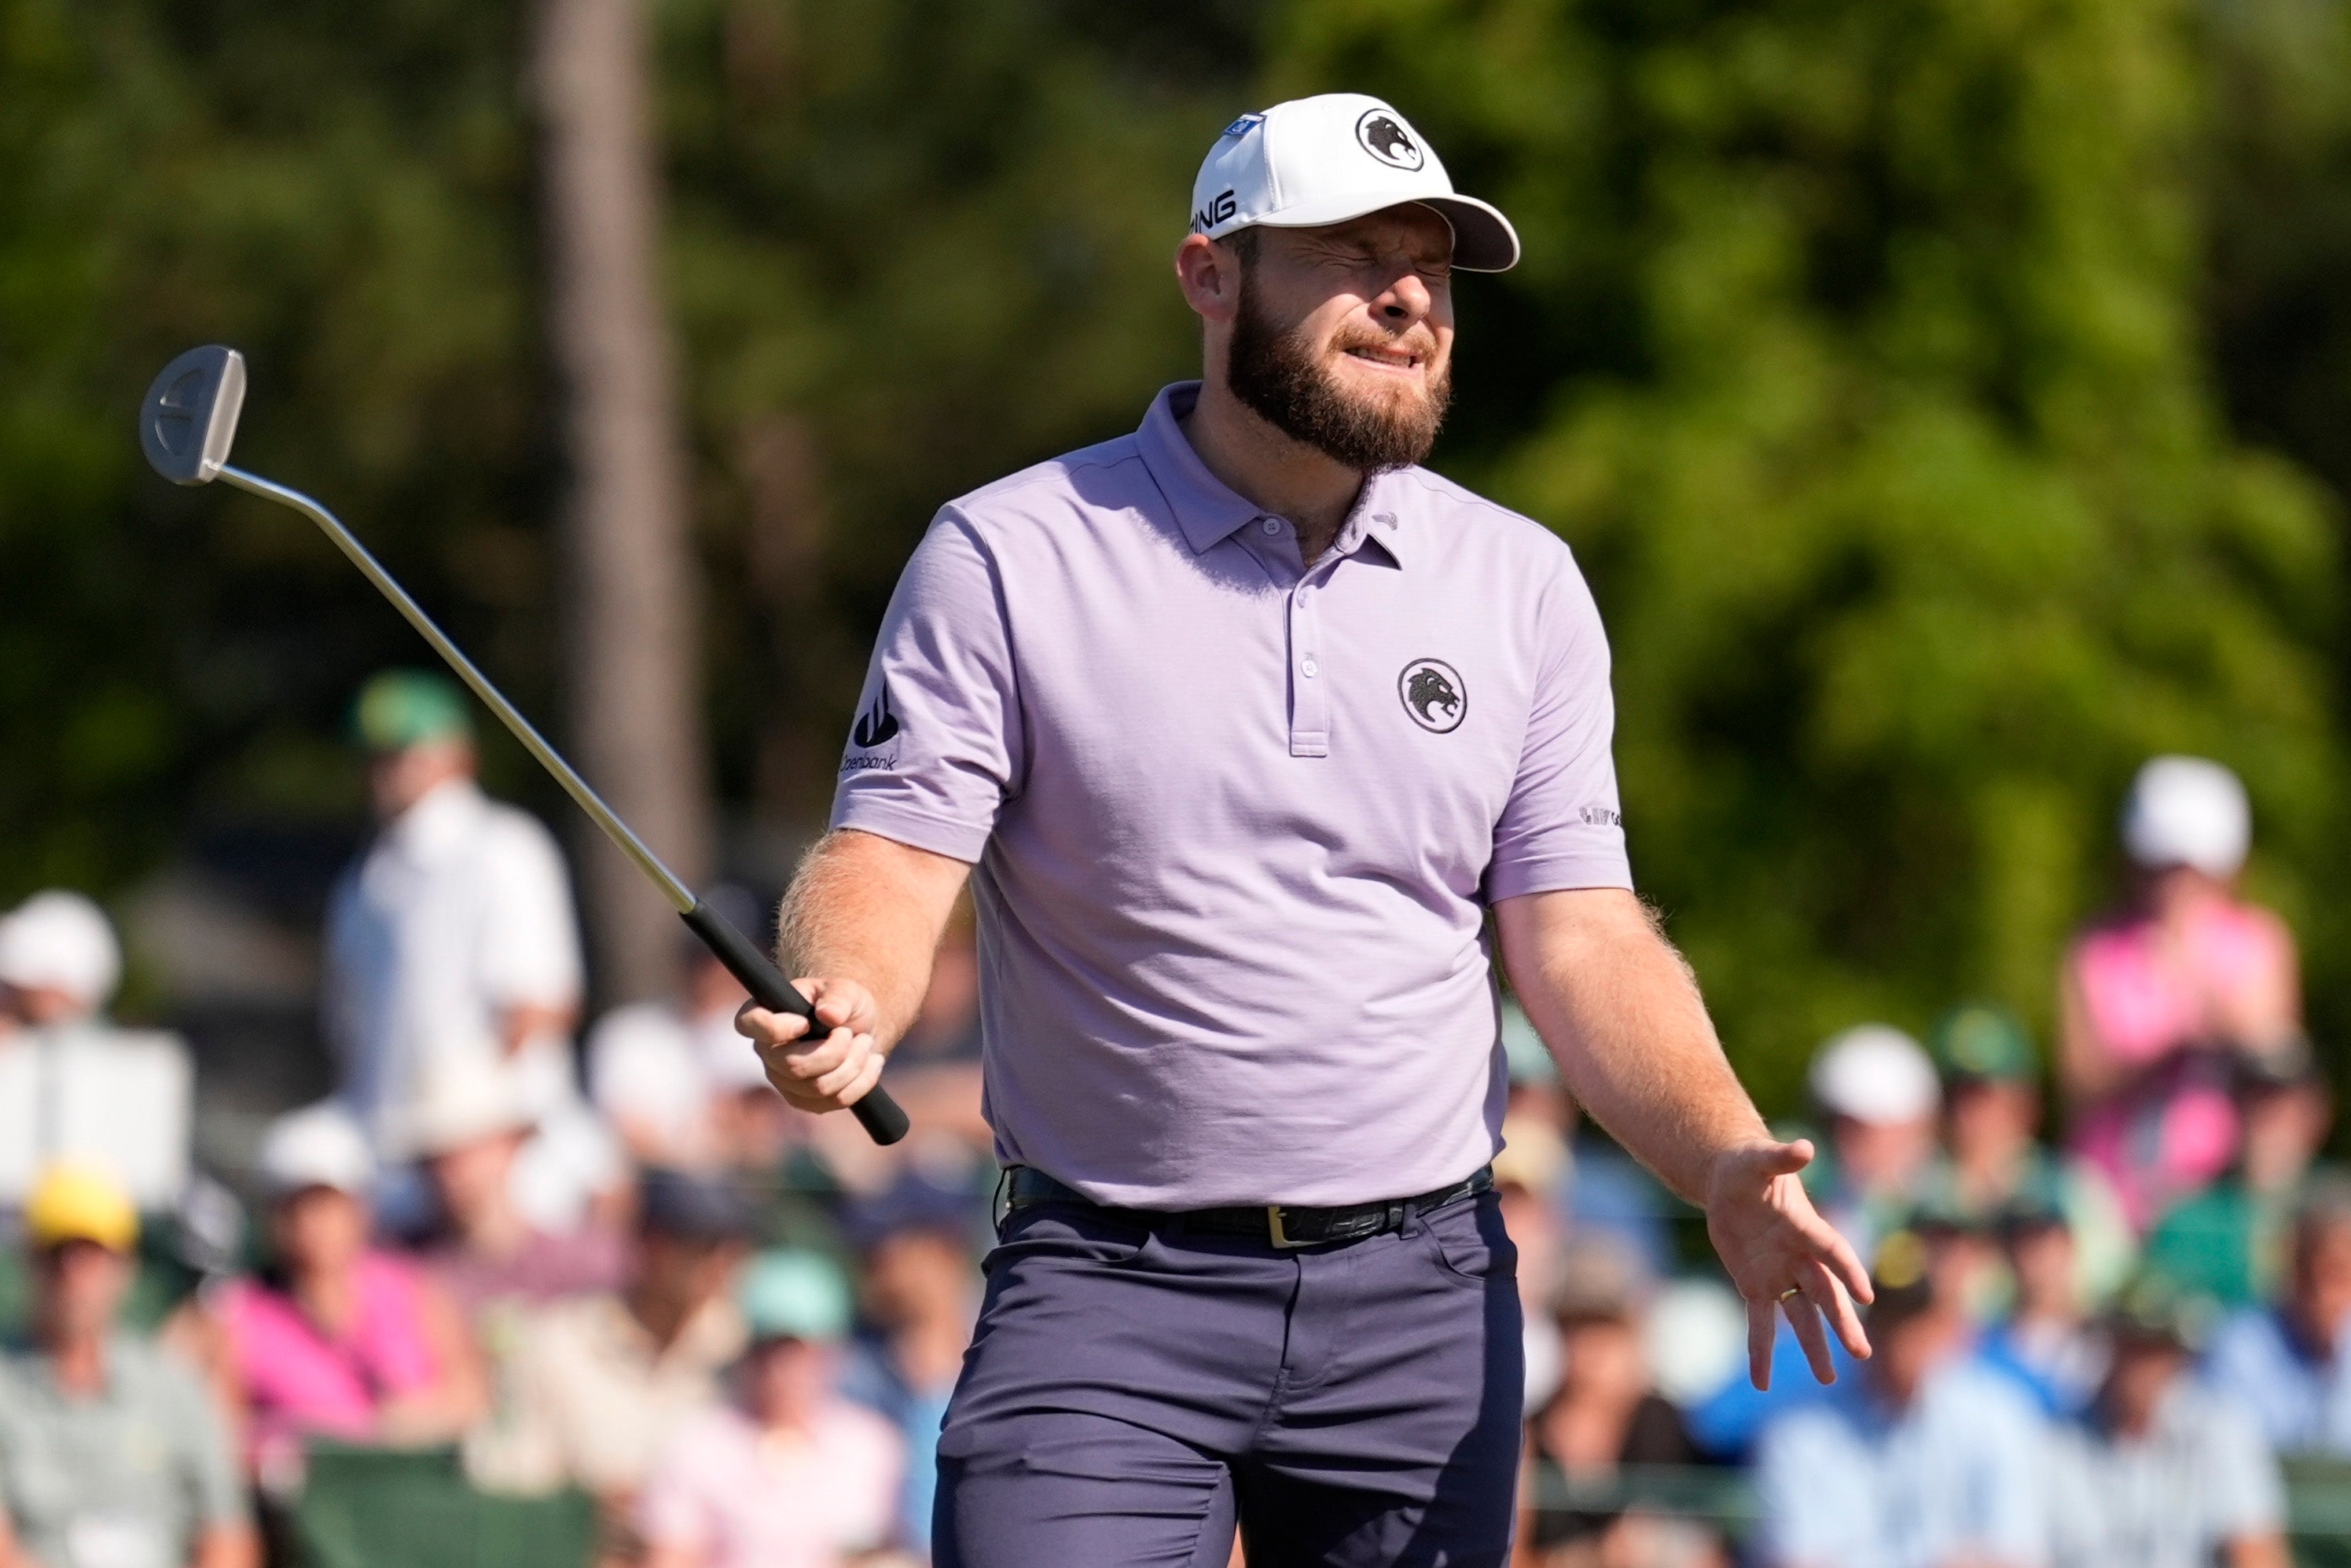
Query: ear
x=1210, y=275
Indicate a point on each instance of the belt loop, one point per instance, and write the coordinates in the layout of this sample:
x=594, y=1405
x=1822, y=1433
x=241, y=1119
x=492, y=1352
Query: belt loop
x=1396, y=1211
x=999, y=1204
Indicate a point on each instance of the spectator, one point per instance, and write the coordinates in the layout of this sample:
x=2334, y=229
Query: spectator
x=597, y=1385
x=452, y=934
x=2286, y=1363
x=468, y=1126
x=74, y=1087
x=1877, y=1089
x=921, y=1296
x=1605, y=1414
x=1603, y=1194
x=335, y=1339
x=1527, y=1175
x=2160, y=1472
x=2228, y=1241
x=1992, y=1122
x=111, y=1453
x=789, y=1474
x=2046, y=1344
x=2159, y=998
x=1925, y=1460
x=658, y=1068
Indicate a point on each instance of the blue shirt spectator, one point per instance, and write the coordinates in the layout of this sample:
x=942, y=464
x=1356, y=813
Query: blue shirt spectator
x=2287, y=1363
x=2045, y=1345
x=1923, y=1460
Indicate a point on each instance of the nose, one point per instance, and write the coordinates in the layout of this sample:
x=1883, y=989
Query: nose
x=1405, y=299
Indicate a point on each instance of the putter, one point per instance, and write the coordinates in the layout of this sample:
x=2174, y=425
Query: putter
x=185, y=427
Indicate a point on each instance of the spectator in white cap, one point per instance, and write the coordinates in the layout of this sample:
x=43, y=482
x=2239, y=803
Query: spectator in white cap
x=1878, y=1090
x=2167, y=999
x=335, y=1338
x=73, y=1086
x=469, y=1128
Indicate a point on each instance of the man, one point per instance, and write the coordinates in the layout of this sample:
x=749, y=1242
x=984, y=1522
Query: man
x=1877, y=1090
x=73, y=1086
x=1928, y=1461
x=467, y=1129
x=2046, y=1344
x=452, y=934
x=598, y=1383
x=1249, y=724
x=1992, y=1120
x=2160, y=1472
x=2228, y=1240
x=2288, y=1363
x=110, y=1451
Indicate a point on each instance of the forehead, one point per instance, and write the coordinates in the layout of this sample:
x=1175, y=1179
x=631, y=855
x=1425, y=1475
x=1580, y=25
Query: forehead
x=1415, y=230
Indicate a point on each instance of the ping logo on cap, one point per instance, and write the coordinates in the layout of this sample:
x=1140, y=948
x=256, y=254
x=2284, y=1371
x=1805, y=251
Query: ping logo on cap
x=1240, y=126
x=1383, y=136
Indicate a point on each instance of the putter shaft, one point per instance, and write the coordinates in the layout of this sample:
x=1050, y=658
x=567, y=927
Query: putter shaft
x=681, y=897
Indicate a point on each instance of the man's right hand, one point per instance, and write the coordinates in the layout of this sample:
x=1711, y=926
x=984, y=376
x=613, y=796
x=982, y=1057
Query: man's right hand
x=830, y=1073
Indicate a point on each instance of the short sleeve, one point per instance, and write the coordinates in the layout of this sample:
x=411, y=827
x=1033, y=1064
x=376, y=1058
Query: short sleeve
x=2245, y=1491
x=531, y=945
x=1813, y=1493
x=935, y=749
x=1560, y=827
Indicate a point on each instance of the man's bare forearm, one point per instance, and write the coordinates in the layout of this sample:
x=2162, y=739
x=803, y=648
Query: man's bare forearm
x=1621, y=1012
x=869, y=909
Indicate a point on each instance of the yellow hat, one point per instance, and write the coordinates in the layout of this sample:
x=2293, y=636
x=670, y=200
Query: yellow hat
x=81, y=1203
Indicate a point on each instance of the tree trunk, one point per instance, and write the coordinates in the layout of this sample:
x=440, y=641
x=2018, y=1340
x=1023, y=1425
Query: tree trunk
x=632, y=664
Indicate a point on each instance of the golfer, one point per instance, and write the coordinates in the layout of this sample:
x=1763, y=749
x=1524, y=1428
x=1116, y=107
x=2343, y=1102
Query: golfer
x=1246, y=724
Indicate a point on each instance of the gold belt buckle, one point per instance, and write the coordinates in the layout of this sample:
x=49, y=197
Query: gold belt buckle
x=1273, y=1224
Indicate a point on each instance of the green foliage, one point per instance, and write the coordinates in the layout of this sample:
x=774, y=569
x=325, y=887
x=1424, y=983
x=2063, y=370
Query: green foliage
x=1879, y=416
x=1901, y=369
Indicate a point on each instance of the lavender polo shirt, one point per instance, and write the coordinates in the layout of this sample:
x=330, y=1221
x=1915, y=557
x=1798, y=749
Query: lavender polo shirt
x=1235, y=821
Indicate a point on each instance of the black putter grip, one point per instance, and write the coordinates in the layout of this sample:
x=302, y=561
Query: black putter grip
x=880, y=1115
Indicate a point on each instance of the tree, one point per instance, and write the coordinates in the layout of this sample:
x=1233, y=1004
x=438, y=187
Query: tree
x=630, y=599
x=1857, y=354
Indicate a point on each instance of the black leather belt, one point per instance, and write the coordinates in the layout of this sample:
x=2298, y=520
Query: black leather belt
x=1283, y=1224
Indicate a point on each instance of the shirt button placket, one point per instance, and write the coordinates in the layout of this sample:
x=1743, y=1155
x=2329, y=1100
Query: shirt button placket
x=1310, y=705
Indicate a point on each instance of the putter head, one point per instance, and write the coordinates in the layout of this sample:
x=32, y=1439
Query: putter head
x=189, y=419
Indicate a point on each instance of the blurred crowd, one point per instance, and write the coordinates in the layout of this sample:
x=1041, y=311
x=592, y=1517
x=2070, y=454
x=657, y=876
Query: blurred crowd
x=2099, y=1349
x=623, y=1268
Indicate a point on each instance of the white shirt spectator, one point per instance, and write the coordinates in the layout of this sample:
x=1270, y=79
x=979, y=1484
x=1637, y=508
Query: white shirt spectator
x=460, y=910
x=2201, y=1478
x=653, y=1072
x=119, y=1099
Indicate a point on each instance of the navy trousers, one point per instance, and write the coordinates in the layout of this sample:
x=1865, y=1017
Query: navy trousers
x=1132, y=1390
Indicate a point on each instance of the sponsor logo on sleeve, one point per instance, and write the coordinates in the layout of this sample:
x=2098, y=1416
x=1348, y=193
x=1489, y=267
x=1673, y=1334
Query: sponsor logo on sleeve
x=875, y=728
x=1435, y=696
x=1383, y=135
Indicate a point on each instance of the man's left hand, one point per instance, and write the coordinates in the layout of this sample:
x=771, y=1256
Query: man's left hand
x=1783, y=1256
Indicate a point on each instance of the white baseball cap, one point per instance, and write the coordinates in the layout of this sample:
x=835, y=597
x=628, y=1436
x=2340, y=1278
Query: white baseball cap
x=319, y=1145
x=1875, y=1073
x=1323, y=160
x=465, y=1097
x=60, y=941
x=2185, y=811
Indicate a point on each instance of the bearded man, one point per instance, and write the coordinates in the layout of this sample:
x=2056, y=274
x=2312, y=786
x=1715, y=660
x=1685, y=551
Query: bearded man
x=1246, y=723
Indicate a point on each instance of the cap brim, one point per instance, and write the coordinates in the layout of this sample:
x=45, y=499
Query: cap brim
x=1483, y=239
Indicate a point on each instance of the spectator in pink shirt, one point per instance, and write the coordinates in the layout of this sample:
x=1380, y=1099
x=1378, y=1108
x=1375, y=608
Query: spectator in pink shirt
x=2163, y=998
x=335, y=1339
x=789, y=1474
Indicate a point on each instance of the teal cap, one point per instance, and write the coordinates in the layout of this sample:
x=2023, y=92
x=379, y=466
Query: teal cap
x=1977, y=1039
x=400, y=708
x=1530, y=1059
x=789, y=1292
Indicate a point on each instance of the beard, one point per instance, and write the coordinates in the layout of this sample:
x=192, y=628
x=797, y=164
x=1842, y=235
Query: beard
x=1276, y=372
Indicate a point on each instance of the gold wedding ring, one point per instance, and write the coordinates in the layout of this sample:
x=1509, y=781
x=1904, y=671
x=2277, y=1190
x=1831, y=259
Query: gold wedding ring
x=1791, y=1291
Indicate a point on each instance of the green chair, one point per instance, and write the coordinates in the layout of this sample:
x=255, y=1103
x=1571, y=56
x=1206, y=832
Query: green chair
x=412, y=1508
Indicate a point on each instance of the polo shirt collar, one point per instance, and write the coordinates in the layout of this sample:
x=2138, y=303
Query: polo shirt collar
x=1209, y=511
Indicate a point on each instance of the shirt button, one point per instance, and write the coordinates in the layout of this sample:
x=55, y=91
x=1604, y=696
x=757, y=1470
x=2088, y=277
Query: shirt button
x=1271, y=525
x=1308, y=669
